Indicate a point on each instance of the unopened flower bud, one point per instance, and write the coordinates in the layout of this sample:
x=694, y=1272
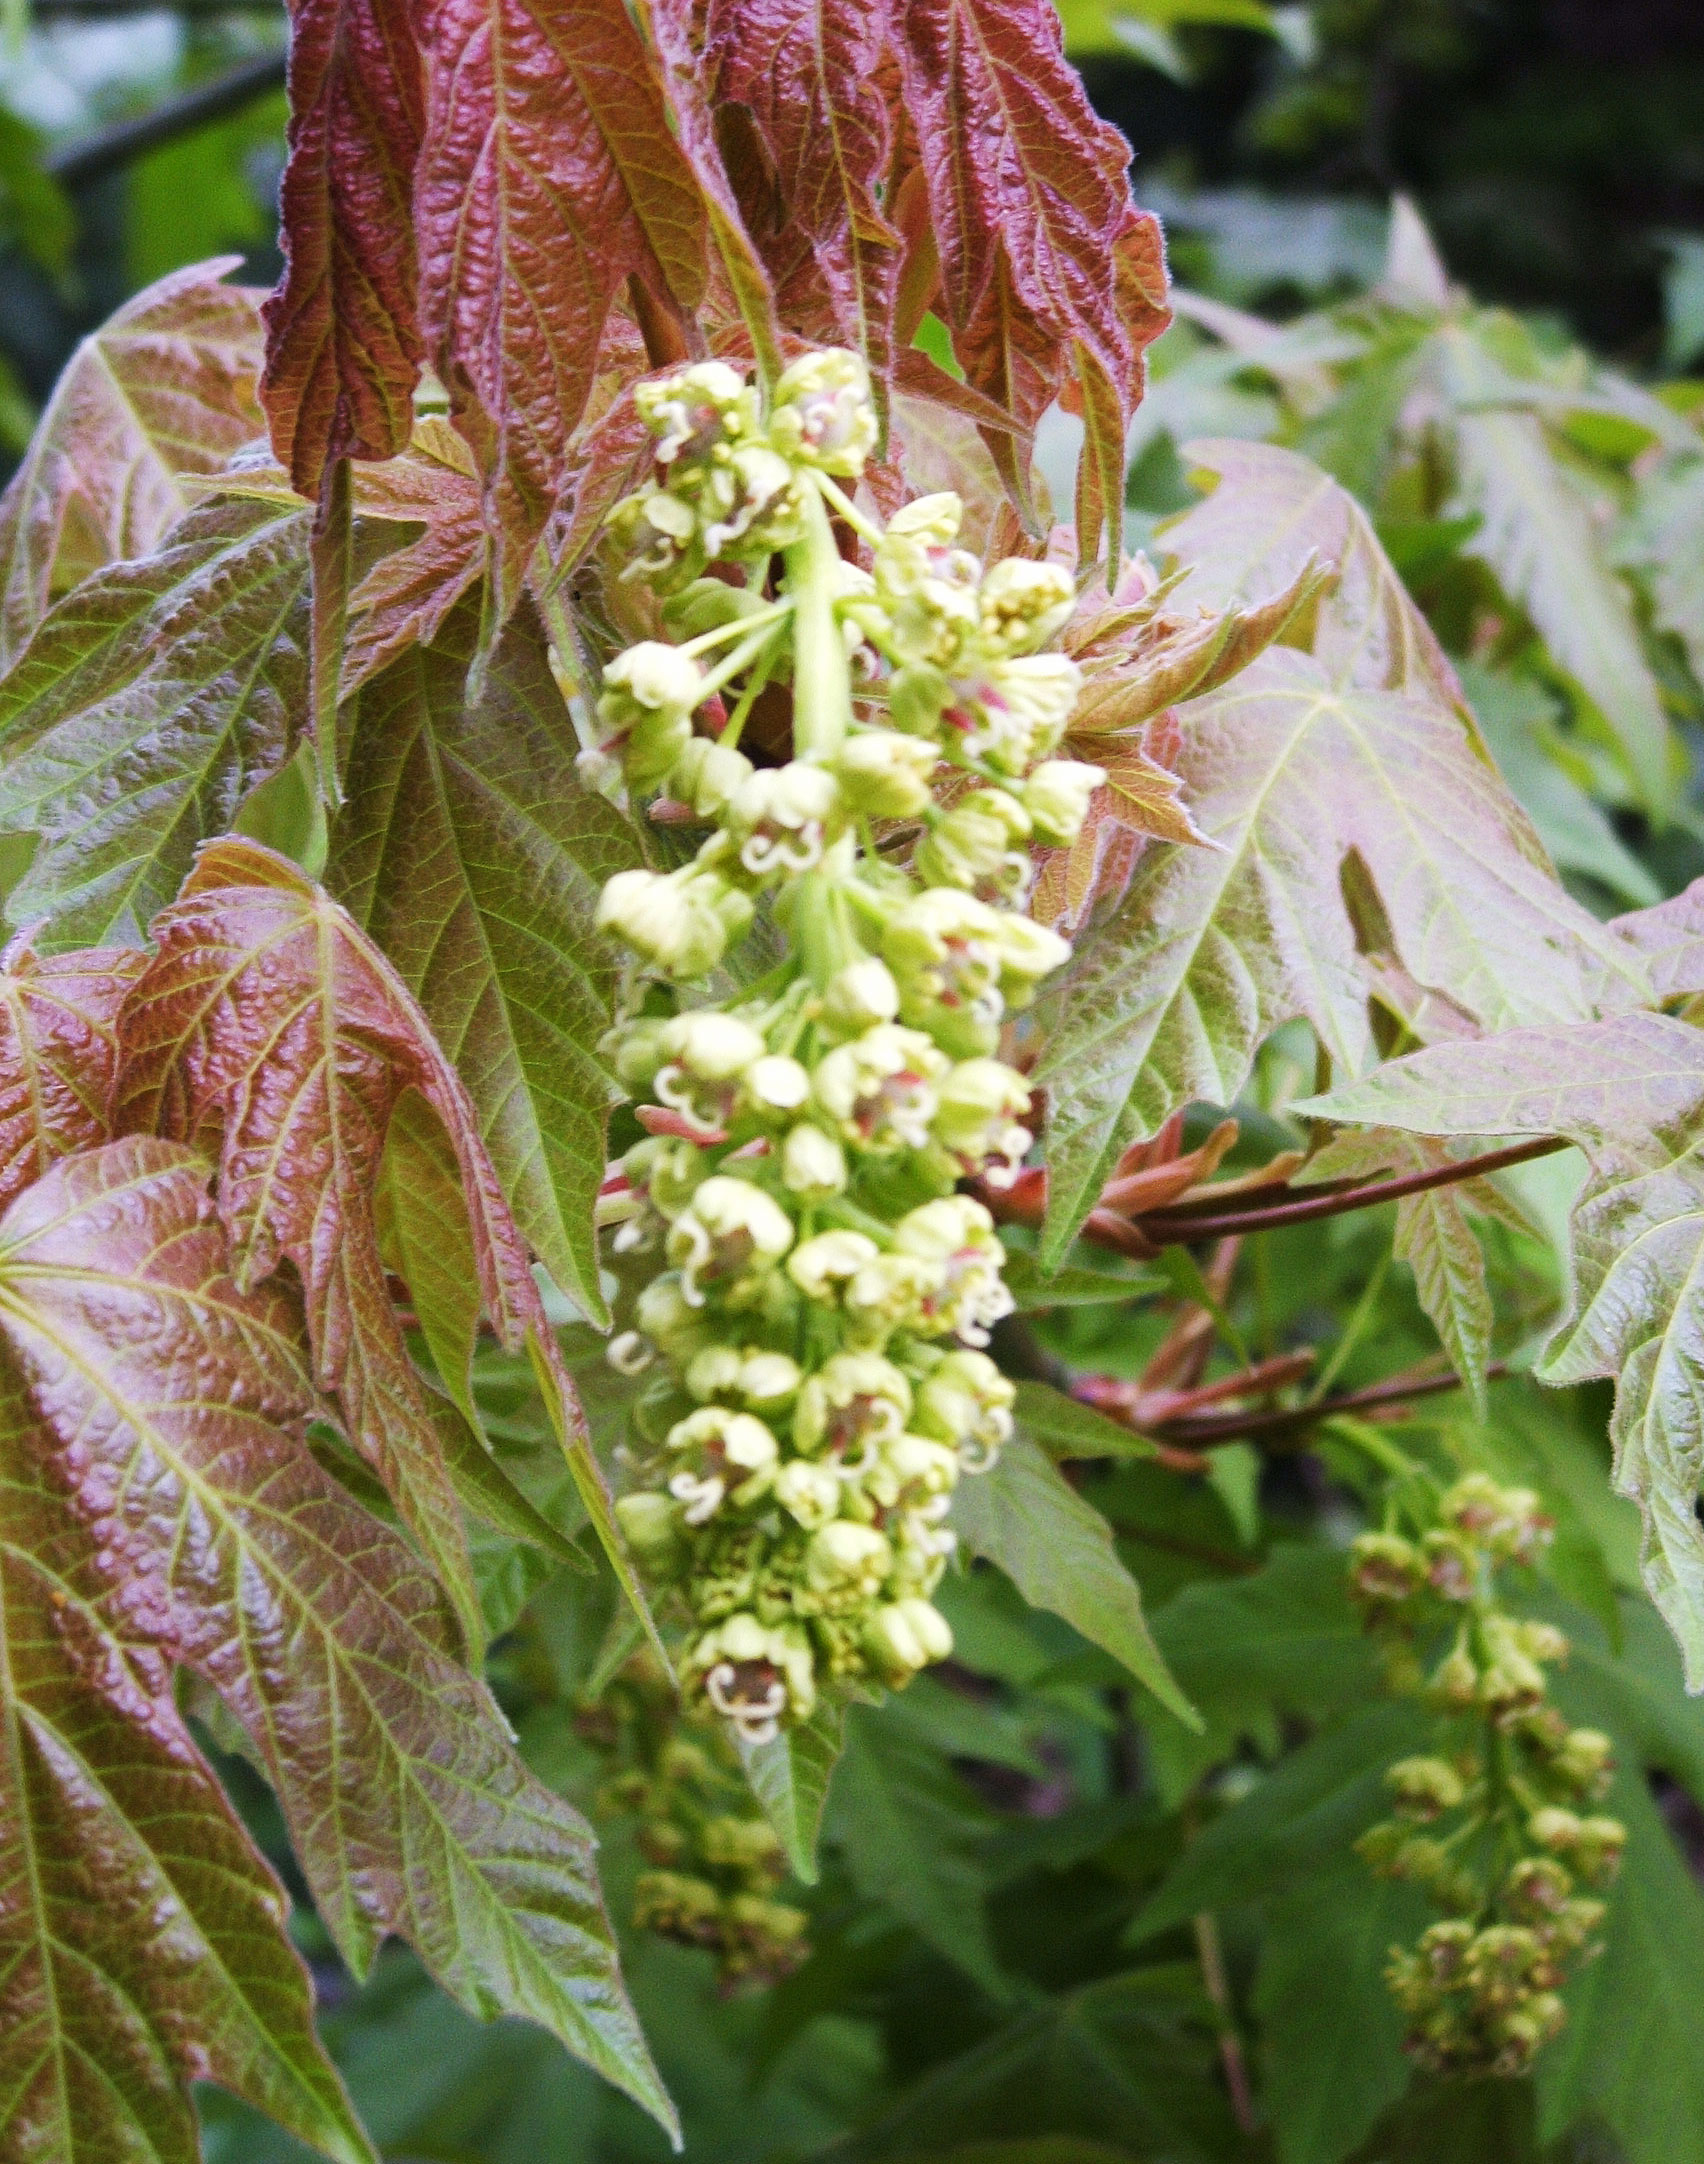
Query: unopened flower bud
x=679, y=924
x=904, y=1637
x=706, y=776
x=651, y=1526
x=712, y=1047
x=1584, y=1761
x=885, y=774
x=813, y=1165
x=822, y=1265
x=859, y=996
x=978, y=1117
x=822, y=414
x=776, y=1084
x=1424, y=1788
x=1023, y=604
x=1385, y=1568
x=1057, y=797
x=808, y=1493
x=845, y=1557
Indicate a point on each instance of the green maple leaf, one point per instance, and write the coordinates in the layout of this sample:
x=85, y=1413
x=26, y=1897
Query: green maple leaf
x=148, y=704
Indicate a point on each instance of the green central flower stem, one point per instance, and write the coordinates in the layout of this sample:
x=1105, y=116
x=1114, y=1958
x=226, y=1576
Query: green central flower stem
x=822, y=674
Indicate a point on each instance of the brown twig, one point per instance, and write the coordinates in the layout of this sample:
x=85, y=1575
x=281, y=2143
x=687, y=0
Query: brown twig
x=1207, y=1434
x=1188, y=1221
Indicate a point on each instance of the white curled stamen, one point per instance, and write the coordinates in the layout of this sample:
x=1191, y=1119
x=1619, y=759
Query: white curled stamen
x=630, y=1353
x=702, y=1498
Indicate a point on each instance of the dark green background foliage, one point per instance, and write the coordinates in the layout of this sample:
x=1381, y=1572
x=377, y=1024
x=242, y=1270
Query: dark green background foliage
x=1049, y=1911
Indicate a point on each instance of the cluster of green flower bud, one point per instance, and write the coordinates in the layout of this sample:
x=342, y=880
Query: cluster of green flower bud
x=714, y=1864
x=807, y=1294
x=1496, y=1824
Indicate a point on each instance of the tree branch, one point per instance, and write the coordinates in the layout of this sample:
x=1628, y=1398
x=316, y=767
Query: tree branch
x=76, y=164
x=1238, y=1427
x=1172, y=1227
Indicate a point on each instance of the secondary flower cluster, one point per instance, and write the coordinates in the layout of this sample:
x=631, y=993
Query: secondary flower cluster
x=714, y=1864
x=807, y=1294
x=1496, y=1825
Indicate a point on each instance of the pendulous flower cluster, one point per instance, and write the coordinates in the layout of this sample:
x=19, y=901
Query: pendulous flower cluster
x=1496, y=1824
x=807, y=1293
x=714, y=1866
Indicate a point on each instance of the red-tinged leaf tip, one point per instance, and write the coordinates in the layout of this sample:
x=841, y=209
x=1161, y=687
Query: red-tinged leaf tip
x=165, y=388
x=547, y=179
x=343, y=346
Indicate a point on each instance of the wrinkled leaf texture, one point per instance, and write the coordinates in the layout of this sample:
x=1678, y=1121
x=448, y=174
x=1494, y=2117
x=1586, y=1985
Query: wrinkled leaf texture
x=175, y=1403
x=547, y=178
x=343, y=343
x=269, y=1026
x=165, y=388
x=146, y=707
x=142, y=1941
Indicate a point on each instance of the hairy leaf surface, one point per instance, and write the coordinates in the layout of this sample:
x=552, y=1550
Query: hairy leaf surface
x=343, y=345
x=1213, y=948
x=145, y=708
x=165, y=388
x=474, y=859
x=548, y=177
x=1630, y=1092
x=176, y=1400
x=142, y=1940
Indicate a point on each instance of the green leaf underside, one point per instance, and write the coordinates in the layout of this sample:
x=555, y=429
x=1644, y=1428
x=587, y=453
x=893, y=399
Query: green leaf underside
x=176, y=1401
x=147, y=705
x=1066, y=1428
x=142, y=1941
x=1214, y=948
x=790, y=1778
x=473, y=858
x=909, y=1831
x=1630, y=1092
x=1057, y=1549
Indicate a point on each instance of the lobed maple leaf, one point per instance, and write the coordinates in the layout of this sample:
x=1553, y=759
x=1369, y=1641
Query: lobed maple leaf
x=164, y=389
x=1047, y=269
x=405, y=597
x=343, y=347
x=173, y=1403
x=268, y=1025
x=809, y=73
x=1213, y=948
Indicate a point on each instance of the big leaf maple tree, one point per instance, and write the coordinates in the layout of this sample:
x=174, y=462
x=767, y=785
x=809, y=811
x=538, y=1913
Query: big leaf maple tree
x=311, y=1125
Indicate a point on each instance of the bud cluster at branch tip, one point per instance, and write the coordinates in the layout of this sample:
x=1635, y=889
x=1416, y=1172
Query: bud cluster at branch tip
x=1496, y=1822
x=806, y=1295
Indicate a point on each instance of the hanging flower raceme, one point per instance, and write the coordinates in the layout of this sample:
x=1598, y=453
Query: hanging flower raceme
x=1496, y=1823
x=807, y=1293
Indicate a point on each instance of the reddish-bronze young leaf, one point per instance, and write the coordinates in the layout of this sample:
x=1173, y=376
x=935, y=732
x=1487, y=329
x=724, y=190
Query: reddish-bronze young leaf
x=142, y=1942
x=1141, y=798
x=58, y=1054
x=1047, y=267
x=175, y=1401
x=164, y=388
x=547, y=179
x=270, y=1025
x=343, y=346
x=403, y=600
x=809, y=74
